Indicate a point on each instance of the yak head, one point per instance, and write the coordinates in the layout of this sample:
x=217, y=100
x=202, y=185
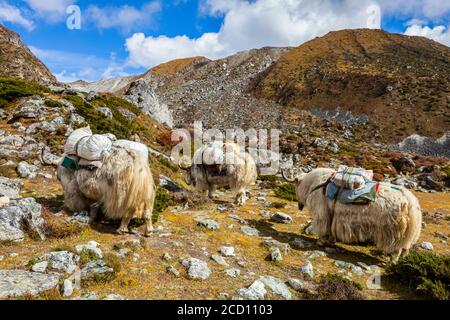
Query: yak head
x=185, y=164
x=295, y=176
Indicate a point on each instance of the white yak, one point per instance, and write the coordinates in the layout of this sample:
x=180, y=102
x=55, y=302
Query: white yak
x=218, y=165
x=122, y=186
x=392, y=222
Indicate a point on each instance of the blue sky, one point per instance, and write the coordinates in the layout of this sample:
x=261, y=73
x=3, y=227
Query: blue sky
x=128, y=37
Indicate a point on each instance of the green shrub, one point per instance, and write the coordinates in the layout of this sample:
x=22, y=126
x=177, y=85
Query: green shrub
x=425, y=272
x=162, y=201
x=278, y=205
x=87, y=256
x=53, y=104
x=118, y=125
x=11, y=89
x=270, y=178
x=286, y=191
x=169, y=164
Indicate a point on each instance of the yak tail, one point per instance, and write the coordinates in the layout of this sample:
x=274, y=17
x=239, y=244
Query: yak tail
x=130, y=183
x=414, y=224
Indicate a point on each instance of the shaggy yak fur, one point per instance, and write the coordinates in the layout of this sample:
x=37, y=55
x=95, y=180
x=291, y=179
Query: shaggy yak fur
x=122, y=187
x=237, y=174
x=392, y=222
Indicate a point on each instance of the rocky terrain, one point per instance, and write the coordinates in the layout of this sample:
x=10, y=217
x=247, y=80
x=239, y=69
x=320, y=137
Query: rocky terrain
x=200, y=248
x=369, y=77
x=16, y=60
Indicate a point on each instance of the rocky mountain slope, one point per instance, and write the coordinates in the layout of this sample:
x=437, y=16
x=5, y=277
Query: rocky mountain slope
x=392, y=85
x=16, y=60
x=400, y=83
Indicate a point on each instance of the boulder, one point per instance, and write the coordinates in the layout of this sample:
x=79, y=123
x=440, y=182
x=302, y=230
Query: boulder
x=277, y=286
x=196, y=268
x=256, y=291
x=281, y=217
x=10, y=187
x=16, y=283
x=95, y=270
x=61, y=261
x=26, y=170
x=16, y=214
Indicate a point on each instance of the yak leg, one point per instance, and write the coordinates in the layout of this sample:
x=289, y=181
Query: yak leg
x=93, y=212
x=148, y=223
x=240, y=197
x=395, y=255
x=404, y=253
x=124, y=224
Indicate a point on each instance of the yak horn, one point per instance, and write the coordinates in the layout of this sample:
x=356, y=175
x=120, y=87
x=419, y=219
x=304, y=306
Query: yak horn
x=184, y=163
x=285, y=177
x=47, y=162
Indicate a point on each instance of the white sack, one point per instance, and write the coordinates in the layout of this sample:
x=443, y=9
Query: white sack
x=132, y=145
x=93, y=147
x=73, y=139
x=352, y=178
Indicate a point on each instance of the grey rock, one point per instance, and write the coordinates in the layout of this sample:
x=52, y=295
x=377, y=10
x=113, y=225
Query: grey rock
x=80, y=217
x=67, y=288
x=208, y=224
x=106, y=112
x=40, y=266
x=316, y=254
x=299, y=243
x=169, y=184
x=167, y=257
x=96, y=268
x=275, y=254
x=75, y=118
x=196, y=268
x=333, y=147
x=20, y=212
x=219, y=260
x=256, y=291
x=173, y=271
x=91, y=95
x=426, y=245
x=10, y=187
x=308, y=269
x=284, y=247
x=123, y=253
x=26, y=170
x=277, y=286
x=127, y=114
x=92, y=247
x=249, y=231
x=233, y=272
x=113, y=296
x=296, y=284
x=16, y=283
x=227, y=251
x=61, y=261
x=142, y=94
x=281, y=218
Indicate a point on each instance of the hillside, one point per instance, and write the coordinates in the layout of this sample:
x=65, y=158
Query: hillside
x=401, y=83
x=16, y=60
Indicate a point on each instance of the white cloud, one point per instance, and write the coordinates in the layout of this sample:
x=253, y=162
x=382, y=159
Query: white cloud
x=438, y=33
x=51, y=10
x=12, y=14
x=419, y=9
x=125, y=17
x=254, y=24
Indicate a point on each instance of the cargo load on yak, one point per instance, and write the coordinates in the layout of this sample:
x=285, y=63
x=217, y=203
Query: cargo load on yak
x=85, y=149
x=352, y=185
x=352, y=178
